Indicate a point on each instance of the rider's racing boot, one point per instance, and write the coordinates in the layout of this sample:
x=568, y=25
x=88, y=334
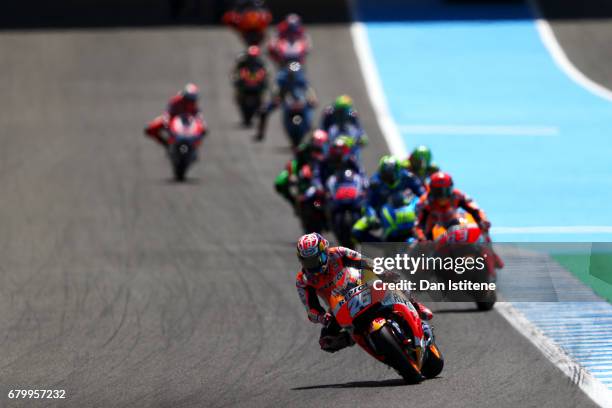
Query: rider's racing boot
x=427, y=332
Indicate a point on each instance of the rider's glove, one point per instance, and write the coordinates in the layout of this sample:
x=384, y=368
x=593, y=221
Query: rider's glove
x=485, y=225
x=326, y=319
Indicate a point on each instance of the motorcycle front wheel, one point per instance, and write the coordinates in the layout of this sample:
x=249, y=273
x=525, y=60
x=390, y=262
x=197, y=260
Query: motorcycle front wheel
x=386, y=344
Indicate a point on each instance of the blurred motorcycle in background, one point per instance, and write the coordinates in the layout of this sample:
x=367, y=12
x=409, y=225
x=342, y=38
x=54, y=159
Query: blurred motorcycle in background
x=467, y=240
x=250, y=80
x=310, y=201
x=346, y=194
x=185, y=133
x=250, y=19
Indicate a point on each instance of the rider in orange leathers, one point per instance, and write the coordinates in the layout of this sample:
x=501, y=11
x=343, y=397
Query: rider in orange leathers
x=323, y=270
x=439, y=206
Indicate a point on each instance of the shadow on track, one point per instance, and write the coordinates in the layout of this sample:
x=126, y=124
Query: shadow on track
x=356, y=384
x=458, y=311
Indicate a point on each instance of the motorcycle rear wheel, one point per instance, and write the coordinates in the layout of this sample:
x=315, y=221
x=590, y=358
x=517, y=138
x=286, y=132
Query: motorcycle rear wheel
x=488, y=304
x=386, y=344
x=180, y=172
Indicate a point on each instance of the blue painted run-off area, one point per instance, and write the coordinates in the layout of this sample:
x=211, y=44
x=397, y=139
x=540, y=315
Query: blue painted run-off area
x=476, y=84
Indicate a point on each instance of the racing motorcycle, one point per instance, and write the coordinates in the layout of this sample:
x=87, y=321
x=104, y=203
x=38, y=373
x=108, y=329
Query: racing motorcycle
x=467, y=240
x=250, y=86
x=349, y=132
x=397, y=218
x=297, y=114
x=251, y=24
x=310, y=200
x=184, y=138
x=284, y=51
x=346, y=193
x=387, y=326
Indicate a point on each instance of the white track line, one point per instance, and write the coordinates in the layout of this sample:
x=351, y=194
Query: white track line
x=547, y=36
x=579, y=375
x=480, y=130
x=576, y=229
x=374, y=86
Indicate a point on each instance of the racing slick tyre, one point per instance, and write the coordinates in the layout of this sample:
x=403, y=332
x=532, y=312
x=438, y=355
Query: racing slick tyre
x=179, y=172
x=434, y=363
x=386, y=343
x=489, y=303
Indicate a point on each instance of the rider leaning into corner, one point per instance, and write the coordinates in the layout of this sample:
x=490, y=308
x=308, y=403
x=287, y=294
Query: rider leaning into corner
x=439, y=206
x=321, y=266
x=183, y=103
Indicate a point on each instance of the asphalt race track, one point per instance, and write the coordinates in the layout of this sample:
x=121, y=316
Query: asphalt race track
x=127, y=289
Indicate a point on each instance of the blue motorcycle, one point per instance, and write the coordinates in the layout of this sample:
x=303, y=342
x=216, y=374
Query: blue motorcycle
x=297, y=116
x=346, y=191
x=397, y=219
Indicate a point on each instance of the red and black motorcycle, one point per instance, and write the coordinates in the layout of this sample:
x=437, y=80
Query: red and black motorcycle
x=467, y=240
x=184, y=138
x=284, y=51
x=310, y=201
x=250, y=84
x=250, y=23
x=387, y=326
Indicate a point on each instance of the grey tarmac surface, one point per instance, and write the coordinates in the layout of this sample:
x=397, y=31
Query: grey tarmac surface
x=126, y=289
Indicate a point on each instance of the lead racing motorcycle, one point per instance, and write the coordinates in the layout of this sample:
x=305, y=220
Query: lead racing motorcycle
x=387, y=326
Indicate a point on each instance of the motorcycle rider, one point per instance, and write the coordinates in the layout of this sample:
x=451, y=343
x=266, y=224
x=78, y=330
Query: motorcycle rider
x=439, y=206
x=341, y=113
x=342, y=157
x=390, y=179
x=292, y=31
x=290, y=82
x=420, y=163
x=235, y=19
x=311, y=152
x=251, y=60
x=183, y=103
x=320, y=266
x=253, y=64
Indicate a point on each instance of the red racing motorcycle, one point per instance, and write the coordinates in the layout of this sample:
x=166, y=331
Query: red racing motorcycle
x=185, y=136
x=467, y=240
x=387, y=326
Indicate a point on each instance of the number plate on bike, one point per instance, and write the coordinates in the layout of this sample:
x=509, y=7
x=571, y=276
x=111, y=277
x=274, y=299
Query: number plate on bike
x=359, y=302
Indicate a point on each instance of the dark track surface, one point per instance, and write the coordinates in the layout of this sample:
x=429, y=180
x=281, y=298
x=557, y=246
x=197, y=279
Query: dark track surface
x=127, y=289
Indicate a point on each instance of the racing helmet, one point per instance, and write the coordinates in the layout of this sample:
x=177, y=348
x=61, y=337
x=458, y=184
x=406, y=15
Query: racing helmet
x=440, y=185
x=190, y=92
x=253, y=52
x=319, y=143
x=420, y=158
x=292, y=25
x=312, y=253
x=389, y=170
x=340, y=150
x=343, y=107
